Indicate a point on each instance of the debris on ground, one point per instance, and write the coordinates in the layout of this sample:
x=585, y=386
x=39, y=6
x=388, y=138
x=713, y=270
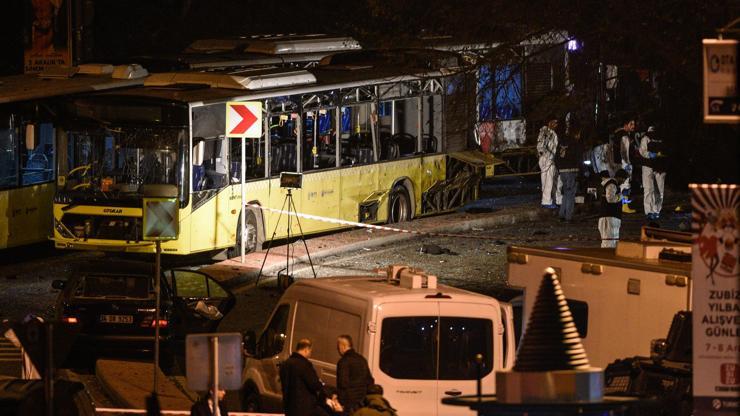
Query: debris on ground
x=480, y=210
x=478, y=229
x=435, y=250
x=540, y=232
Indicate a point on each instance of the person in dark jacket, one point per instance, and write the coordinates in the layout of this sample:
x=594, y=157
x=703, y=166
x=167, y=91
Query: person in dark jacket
x=353, y=375
x=375, y=404
x=568, y=163
x=204, y=406
x=303, y=392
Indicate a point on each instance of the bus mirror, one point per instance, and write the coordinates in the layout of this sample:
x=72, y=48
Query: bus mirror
x=30, y=136
x=199, y=153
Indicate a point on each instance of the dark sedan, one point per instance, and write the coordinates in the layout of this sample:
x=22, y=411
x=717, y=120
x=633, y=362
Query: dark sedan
x=114, y=304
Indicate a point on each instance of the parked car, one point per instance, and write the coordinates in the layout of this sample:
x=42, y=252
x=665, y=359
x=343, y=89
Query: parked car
x=114, y=304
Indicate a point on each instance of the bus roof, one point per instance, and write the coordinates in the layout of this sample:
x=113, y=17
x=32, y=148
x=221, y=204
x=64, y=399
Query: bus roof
x=69, y=80
x=344, y=70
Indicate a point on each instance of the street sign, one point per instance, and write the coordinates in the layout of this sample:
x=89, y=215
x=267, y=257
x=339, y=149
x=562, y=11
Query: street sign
x=199, y=357
x=720, y=99
x=160, y=219
x=244, y=119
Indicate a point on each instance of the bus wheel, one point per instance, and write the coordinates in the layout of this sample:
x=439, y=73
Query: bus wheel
x=399, y=205
x=252, y=237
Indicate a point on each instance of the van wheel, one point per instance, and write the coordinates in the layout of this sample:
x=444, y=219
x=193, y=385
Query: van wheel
x=399, y=205
x=252, y=237
x=251, y=400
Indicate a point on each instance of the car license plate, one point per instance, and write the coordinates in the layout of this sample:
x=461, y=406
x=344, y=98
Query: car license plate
x=117, y=319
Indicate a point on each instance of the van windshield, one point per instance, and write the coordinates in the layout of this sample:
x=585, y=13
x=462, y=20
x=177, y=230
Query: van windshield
x=430, y=347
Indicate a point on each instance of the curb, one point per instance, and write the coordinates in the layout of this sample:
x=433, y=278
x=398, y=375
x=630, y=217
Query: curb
x=114, y=385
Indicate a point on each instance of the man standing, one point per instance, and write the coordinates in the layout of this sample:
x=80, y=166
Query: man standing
x=570, y=156
x=353, y=375
x=547, y=144
x=303, y=392
x=610, y=211
x=621, y=149
x=205, y=407
x=653, y=172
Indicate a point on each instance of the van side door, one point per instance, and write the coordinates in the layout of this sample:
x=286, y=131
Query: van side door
x=466, y=330
x=272, y=349
x=405, y=356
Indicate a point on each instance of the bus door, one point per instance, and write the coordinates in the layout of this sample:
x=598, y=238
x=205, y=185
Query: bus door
x=321, y=185
x=211, y=217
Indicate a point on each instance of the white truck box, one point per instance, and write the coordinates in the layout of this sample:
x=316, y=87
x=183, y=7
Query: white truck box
x=620, y=299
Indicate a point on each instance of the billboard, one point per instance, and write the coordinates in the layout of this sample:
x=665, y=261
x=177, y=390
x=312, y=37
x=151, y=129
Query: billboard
x=720, y=100
x=47, y=35
x=716, y=299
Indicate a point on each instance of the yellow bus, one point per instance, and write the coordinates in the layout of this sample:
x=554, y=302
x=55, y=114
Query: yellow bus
x=378, y=137
x=27, y=142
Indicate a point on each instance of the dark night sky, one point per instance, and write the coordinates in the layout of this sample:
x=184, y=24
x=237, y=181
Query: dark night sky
x=663, y=35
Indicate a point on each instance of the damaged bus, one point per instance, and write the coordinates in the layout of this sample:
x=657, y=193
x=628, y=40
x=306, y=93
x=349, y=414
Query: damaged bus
x=379, y=137
x=28, y=109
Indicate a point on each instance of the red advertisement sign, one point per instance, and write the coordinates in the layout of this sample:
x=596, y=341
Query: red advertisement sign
x=47, y=39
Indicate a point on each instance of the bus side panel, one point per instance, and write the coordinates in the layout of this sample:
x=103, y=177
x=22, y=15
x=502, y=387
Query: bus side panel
x=26, y=215
x=320, y=195
x=276, y=198
x=432, y=171
x=356, y=184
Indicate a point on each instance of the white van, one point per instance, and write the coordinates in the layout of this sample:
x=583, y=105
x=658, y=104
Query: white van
x=420, y=339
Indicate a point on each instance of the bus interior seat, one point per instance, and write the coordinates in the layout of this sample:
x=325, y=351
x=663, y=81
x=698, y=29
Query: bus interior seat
x=199, y=176
x=430, y=143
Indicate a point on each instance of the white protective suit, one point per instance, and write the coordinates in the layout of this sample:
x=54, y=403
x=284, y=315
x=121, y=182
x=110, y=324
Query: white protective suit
x=624, y=143
x=609, y=226
x=547, y=144
x=653, y=182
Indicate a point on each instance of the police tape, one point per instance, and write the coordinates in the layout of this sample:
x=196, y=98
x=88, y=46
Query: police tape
x=415, y=232
x=172, y=412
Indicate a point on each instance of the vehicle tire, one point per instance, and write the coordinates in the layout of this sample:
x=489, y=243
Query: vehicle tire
x=254, y=241
x=250, y=400
x=399, y=205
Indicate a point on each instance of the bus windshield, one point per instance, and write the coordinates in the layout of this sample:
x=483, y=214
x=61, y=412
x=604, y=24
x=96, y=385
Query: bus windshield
x=116, y=162
x=114, y=145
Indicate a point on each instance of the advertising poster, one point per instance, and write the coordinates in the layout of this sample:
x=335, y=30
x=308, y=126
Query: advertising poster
x=47, y=39
x=716, y=299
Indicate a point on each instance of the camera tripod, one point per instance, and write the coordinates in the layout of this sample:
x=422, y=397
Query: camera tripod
x=286, y=277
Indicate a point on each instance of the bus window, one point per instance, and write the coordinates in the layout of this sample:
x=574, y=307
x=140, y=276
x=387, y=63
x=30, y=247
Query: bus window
x=356, y=135
x=283, y=143
x=213, y=172
x=8, y=157
x=319, y=139
x=37, y=162
x=399, y=128
x=431, y=123
x=254, y=151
